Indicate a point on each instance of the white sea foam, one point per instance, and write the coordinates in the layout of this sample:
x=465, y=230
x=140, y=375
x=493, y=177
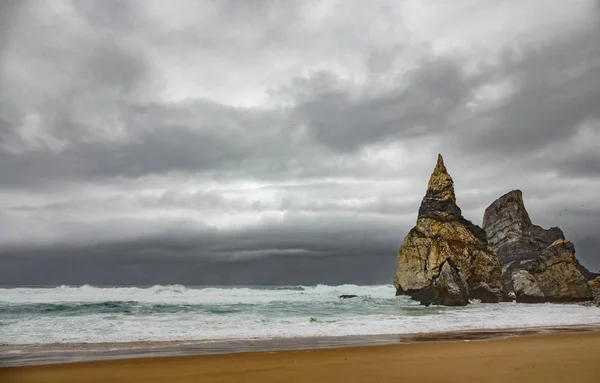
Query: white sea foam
x=126, y=314
x=179, y=293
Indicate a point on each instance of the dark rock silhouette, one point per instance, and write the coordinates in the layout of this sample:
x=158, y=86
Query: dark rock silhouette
x=539, y=265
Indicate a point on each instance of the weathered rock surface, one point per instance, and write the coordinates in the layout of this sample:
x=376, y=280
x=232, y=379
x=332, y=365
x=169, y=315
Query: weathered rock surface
x=539, y=265
x=445, y=259
x=595, y=287
x=448, y=287
x=595, y=284
x=526, y=288
x=510, y=231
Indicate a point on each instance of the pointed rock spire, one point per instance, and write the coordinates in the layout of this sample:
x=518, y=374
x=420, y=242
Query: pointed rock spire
x=439, y=166
x=445, y=259
x=509, y=211
x=441, y=185
x=440, y=201
x=506, y=220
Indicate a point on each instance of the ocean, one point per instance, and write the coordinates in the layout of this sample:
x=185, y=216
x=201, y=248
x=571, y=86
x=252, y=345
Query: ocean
x=90, y=314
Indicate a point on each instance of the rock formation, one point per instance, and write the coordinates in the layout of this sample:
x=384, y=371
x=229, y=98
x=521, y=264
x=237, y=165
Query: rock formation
x=595, y=287
x=445, y=259
x=539, y=265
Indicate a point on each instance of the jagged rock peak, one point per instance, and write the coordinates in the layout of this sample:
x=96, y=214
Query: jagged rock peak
x=511, y=201
x=441, y=185
x=445, y=259
x=440, y=201
x=506, y=219
x=539, y=264
x=510, y=231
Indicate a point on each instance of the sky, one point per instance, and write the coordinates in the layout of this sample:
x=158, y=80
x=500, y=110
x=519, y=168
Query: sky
x=283, y=142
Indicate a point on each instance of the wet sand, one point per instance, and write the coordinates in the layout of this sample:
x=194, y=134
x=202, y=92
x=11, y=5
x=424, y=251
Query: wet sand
x=30, y=354
x=557, y=357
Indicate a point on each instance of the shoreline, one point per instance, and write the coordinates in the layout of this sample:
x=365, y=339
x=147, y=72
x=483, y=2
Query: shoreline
x=61, y=353
x=534, y=358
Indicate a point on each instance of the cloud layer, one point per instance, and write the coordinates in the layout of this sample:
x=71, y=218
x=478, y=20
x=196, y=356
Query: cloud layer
x=282, y=142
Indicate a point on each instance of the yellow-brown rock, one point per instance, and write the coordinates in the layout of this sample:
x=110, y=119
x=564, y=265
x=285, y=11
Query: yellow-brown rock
x=552, y=277
x=442, y=234
x=595, y=288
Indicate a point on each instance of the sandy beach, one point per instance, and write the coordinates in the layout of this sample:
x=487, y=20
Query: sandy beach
x=562, y=357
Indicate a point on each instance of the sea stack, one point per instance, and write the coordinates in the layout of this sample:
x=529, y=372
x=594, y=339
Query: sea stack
x=539, y=265
x=445, y=258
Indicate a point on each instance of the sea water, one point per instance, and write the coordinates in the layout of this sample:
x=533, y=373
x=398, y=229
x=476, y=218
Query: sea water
x=90, y=314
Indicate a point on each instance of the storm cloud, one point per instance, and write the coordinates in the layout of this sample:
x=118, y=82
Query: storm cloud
x=290, y=142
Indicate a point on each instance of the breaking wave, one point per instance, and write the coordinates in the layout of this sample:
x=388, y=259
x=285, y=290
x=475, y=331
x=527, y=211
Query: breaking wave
x=74, y=314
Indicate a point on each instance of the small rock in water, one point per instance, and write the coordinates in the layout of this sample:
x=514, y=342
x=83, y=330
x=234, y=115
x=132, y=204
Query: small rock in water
x=346, y=296
x=312, y=319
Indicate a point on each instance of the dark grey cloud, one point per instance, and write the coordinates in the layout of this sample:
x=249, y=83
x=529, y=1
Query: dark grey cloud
x=584, y=164
x=291, y=252
x=557, y=89
x=164, y=139
x=9, y=12
x=265, y=142
x=111, y=15
x=423, y=101
x=208, y=137
x=293, y=234
x=280, y=270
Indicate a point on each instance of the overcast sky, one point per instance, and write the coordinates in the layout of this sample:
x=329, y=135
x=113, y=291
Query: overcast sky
x=286, y=142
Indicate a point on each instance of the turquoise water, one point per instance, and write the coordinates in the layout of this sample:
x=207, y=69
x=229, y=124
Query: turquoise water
x=67, y=314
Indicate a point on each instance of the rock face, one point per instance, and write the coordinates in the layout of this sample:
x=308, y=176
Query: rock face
x=445, y=259
x=448, y=287
x=595, y=287
x=539, y=265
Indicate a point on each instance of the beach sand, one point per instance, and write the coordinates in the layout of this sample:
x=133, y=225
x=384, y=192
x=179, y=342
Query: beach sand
x=570, y=357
